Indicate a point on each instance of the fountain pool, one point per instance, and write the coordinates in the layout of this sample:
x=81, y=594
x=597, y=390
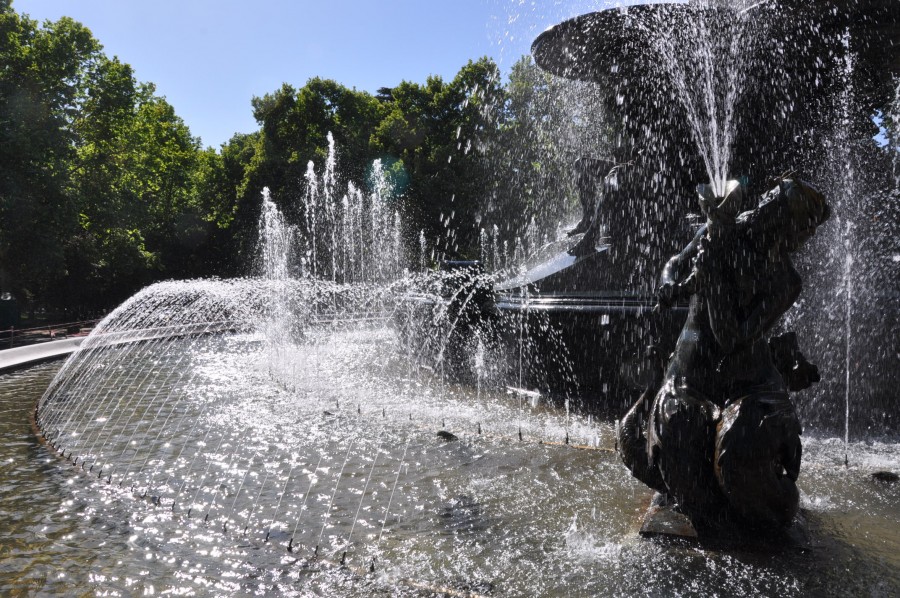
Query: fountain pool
x=217, y=459
x=351, y=462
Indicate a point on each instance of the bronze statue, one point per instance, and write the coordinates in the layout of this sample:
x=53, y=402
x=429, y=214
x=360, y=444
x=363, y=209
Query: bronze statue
x=716, y=431
x=590, y=178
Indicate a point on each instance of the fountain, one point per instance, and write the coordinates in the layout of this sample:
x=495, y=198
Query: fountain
x=686, y=91
x=340, y=425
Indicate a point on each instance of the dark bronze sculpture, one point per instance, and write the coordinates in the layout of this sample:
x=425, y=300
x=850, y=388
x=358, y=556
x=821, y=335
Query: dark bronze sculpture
x=591, y=175
x=716, y=432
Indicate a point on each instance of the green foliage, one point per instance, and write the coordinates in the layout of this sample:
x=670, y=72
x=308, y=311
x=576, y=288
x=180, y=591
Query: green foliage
x=98, y=190
x=41, y=87
x=103, y=189
x=438, y=132
x=295, y=125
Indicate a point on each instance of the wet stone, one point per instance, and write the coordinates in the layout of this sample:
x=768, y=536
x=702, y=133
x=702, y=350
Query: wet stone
x=664, y=520
x=885, y=477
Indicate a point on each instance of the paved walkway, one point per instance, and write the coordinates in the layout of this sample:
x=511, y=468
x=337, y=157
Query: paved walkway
x=20, y=357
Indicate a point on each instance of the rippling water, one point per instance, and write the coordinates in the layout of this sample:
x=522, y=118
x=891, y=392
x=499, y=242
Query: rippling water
x=346, y=458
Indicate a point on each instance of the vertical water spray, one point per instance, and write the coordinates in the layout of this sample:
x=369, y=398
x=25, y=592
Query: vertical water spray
x=276, y=242
x=311, y=203
x=354, y=235
x=705, y=52
x=893, y=137
x=328, y=188
x=848, y=315
x=846, y=207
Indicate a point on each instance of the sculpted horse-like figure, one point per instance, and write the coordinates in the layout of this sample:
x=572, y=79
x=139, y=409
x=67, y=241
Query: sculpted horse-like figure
x=716, y=431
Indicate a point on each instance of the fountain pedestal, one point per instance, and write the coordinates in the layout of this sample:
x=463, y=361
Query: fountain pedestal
x=790, y=59
x=665, y=523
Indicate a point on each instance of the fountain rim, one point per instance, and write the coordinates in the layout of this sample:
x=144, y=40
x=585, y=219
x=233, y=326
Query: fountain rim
x=19, y=358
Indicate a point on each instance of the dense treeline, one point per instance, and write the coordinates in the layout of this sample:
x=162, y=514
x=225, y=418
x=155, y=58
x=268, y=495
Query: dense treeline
x=103, y=189
x=99, y=176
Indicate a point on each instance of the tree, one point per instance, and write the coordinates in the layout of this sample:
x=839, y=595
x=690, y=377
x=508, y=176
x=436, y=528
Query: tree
x=438, y=133
x=41, y=87
x=229, y=202
x=97, y=189
x=294, y=126
x=133, y=176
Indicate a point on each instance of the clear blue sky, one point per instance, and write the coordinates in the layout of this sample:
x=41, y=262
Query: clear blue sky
x=210, y=57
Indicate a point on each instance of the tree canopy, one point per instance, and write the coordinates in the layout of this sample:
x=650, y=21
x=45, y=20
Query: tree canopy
x=103, y=188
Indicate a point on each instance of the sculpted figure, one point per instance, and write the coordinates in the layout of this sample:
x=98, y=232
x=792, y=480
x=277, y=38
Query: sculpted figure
x=589, y=183
x=716, y=431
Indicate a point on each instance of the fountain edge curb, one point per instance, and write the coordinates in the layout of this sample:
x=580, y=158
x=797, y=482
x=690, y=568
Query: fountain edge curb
x=23, y=357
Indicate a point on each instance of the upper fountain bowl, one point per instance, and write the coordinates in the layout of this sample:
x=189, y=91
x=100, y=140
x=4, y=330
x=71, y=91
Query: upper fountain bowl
x=610, y=46
x=603, y=46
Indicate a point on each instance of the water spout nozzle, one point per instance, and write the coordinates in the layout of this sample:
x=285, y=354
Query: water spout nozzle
x=725, y=205
x=290, y=546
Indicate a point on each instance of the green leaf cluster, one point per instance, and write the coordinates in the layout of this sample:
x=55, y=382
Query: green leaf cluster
x=99, y=181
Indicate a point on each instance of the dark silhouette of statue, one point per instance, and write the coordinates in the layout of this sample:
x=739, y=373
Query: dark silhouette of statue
x=591, y=174
x=716, y=432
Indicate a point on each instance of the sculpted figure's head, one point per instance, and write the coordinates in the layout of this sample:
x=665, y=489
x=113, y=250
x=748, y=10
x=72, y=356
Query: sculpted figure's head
x=791, y=212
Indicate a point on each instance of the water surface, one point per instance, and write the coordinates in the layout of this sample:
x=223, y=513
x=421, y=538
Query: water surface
x=348, y=462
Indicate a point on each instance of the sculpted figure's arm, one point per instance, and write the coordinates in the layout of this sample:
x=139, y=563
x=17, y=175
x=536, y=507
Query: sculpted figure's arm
x=675, y=280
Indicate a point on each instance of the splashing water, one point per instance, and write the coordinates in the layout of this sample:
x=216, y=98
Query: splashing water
x=705, y=51
x=290, y=411
x=350, y=236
